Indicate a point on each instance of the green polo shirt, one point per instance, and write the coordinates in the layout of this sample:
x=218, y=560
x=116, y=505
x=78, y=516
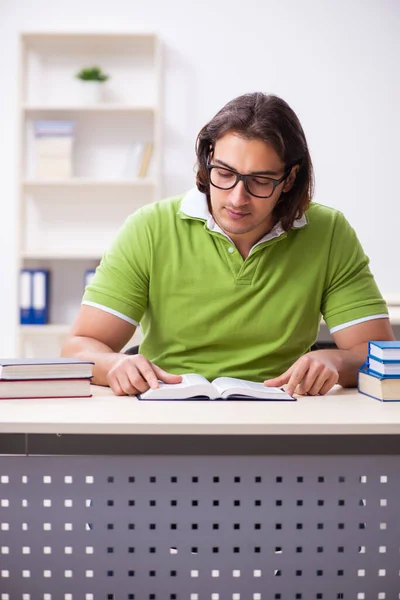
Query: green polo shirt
x=203, y=309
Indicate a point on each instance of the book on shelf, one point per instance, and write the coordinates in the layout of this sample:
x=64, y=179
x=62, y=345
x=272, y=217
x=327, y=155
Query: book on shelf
x=386, y=351
x=34, y=296
x=197, y=387
x=44, y=368
x=145, y=162
x=44, y=388
x=137, y=160
x=380, y=387
x=53, y=149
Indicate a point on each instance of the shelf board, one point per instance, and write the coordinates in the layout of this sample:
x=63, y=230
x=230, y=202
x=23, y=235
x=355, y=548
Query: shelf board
x=83, y=182
x=46, y=255
x=44, y=329
x=95, y=108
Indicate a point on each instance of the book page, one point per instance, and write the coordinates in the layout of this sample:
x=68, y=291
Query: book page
x=191, y=385
x=227, y=386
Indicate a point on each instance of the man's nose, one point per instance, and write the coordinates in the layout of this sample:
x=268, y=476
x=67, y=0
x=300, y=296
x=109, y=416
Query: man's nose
x=239, y=194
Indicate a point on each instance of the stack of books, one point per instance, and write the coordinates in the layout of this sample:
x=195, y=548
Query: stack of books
x=44, y=378
x=53, y=144
x=379, y=377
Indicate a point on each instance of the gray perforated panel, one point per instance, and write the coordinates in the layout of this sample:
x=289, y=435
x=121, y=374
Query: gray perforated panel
x=197, y=528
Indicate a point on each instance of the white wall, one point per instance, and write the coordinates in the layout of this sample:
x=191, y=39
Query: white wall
x=335, y=62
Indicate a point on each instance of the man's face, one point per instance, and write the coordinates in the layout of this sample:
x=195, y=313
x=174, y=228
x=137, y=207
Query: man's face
x=245, y=218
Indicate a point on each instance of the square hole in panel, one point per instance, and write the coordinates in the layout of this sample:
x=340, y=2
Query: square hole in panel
x=361, y=572
x=68, y=479
x=4, y=502
x=4, y=550
x=89, y=479
x=68, y=550
x=4, y=479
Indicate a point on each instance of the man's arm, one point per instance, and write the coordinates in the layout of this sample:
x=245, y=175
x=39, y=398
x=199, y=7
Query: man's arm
x=318, y=371
x=99, y=336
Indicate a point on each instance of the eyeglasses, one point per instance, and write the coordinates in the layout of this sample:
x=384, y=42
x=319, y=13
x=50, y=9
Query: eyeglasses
x=256, y=185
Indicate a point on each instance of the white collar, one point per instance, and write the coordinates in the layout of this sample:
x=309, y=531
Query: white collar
x=194, y=205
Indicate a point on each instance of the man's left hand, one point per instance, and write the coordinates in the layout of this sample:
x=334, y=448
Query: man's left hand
x=312, y=374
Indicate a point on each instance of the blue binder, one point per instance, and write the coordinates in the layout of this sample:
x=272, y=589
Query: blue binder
x=40, y=296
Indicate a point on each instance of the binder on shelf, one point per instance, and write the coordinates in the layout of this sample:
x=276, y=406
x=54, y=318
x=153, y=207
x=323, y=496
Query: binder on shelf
x=25, y=297
x=89, y=274
x=40, y=296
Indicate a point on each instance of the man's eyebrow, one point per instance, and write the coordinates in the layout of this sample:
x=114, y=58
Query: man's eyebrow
x=221, y=162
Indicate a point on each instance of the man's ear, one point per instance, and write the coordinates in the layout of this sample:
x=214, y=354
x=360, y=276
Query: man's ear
x=291, y=179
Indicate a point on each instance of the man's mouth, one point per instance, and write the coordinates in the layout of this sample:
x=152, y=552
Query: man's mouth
x=235, y=214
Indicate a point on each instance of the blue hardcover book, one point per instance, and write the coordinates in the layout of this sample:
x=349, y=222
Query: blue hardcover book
x=388, y=368
x=385, y=351
x=380, y=387
x=25, y=297
x=40, y=296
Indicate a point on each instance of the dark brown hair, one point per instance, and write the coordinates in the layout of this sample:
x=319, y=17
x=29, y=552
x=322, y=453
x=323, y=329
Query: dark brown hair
x=270, y=119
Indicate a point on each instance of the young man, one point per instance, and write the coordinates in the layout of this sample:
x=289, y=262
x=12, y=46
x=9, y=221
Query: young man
x=232, y=278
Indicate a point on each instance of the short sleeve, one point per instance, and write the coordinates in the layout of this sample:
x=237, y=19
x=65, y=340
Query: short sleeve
x=350, y=290
x=121, y=281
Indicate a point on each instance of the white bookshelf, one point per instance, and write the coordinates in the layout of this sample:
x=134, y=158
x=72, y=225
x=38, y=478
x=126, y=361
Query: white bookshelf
x=65, y=224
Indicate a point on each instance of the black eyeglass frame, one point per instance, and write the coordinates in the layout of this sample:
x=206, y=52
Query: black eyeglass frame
x=241, y=177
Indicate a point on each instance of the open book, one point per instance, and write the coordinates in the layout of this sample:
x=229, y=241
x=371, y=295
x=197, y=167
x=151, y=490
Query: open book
x=197, y=387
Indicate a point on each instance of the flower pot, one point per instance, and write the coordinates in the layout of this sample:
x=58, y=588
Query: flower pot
x=91, y=92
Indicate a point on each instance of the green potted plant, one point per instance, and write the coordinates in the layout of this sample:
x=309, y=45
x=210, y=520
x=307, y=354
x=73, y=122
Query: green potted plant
x=92, y=80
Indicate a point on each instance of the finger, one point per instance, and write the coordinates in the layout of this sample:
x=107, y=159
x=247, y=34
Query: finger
x=319, y=382
x=167, y=377
x=132, y=378
x=127, y=386
x=317, y=372
x=329, y=384
x=146, y=373
x=280, y=380
x=299, y=371
x=115, y=385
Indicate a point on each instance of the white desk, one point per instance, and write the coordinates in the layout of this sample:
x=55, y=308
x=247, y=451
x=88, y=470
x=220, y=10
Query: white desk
x=342, y=411
x=108, y=497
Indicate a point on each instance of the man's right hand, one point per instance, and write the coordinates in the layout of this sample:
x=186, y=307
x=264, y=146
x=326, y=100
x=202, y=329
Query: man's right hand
x=133, y=375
